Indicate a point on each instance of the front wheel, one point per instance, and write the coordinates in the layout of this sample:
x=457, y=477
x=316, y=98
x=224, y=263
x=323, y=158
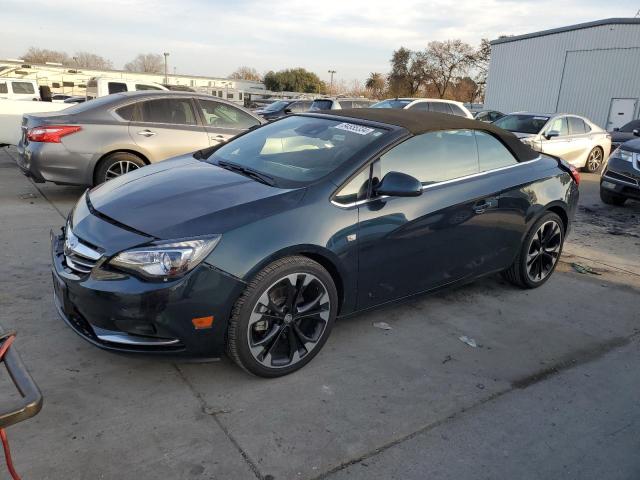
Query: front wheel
x=611, y=198
x=539, y=253
x=283, y=318
x=594, y=160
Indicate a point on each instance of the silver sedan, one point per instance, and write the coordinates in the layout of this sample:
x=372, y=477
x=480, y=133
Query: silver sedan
x=575, y=139
x=101, y=139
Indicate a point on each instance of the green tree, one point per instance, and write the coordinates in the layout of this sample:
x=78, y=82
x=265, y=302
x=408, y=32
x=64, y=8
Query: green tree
x=375, y=84
x=293, y=80
x=407, y=72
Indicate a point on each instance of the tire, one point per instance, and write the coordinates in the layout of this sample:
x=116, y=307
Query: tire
x=531, y=255
x=118, y=161
x=594, y=160
x=272, y=331
x=611, y=198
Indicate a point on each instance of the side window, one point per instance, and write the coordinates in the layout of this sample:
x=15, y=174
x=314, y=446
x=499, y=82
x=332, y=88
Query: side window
x=456, y=110
x=355, y=189
x=296, y=107
x=492, y=153
x=127, y=112
x=116, y=87
x=559, y=125
x=420, y=106
x=434, y=157
x=176, y=111
x=221, y=115
x=3, y=87
x=440, y=107
x=142, y=86
x=346, y=104
x=576, y=126
x=23, y=87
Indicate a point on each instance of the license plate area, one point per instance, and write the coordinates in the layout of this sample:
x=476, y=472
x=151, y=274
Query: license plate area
x=60, y=292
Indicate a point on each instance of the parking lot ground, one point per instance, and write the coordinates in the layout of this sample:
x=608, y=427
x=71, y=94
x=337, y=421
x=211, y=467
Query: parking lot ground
x=551, y=390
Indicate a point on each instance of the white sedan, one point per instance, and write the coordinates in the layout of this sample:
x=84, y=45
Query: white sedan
x=575, y=139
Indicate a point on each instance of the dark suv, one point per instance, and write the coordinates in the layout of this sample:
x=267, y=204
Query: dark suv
x=620, y=178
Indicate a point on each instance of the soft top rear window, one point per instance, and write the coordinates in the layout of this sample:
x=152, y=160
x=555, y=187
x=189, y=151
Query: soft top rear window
x=522, y=123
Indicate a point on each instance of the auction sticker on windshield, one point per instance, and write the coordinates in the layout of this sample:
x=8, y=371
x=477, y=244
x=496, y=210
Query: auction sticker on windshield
x=353, y=128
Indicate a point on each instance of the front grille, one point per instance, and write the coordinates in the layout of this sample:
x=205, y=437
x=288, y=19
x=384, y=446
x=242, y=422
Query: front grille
x=78, y=256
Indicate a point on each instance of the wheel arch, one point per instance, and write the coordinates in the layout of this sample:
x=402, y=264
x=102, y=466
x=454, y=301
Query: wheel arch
x=326, y=258
x=103, y=157
x=559, y=210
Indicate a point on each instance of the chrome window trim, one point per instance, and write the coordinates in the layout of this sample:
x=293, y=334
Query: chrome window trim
x=435, y=184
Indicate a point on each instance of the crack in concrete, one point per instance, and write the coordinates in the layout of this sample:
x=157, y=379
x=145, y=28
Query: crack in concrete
x=211, y=412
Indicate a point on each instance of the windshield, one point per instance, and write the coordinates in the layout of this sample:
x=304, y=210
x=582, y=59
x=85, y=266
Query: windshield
x=275, y=106
x=298, y=149
x=522, y=123
x=391, y=104
x=631, y=126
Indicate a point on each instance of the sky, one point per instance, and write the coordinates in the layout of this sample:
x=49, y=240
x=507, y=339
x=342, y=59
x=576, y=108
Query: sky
x=211, y=37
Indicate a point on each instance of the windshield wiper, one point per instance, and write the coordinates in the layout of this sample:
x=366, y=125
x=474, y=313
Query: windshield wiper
x=247, y=172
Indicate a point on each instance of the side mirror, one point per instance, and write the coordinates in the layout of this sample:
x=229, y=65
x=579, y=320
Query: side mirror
x=551, y=134
x=617, y=129
x=396, y=184
x=636, y=132
x=287, y=111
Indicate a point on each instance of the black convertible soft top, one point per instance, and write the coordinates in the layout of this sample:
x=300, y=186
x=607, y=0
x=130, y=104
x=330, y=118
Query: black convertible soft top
x=421, y=122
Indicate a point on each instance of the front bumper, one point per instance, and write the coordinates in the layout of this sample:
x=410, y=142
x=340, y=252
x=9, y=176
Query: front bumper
x=120, y=312
x=622, y=177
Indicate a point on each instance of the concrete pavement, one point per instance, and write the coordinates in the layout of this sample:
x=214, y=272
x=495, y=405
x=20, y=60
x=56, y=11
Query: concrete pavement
x=412, y=402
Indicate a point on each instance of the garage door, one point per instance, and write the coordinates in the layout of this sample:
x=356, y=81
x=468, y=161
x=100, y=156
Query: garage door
x=592, y=78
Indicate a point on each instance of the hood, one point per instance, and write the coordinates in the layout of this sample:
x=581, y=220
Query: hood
x=619, y=137
x=186, y=197
x=632, y=145
x=523, y=135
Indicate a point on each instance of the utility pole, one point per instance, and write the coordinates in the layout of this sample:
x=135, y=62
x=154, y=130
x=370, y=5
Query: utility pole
x=166, y=74
x=331, y=84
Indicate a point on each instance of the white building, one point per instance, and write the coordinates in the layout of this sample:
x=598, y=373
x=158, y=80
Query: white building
x=591, y=69
x=73, y=80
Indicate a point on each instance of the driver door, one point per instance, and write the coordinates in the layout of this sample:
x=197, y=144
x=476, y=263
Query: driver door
x=408, y=245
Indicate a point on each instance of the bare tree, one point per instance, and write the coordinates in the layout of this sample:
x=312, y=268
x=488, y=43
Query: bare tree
x=443, y=62
x=246, y=73
x=43, y=55
x=146, y=63
x=91, y=60
x=481, y=66
x=375, y=84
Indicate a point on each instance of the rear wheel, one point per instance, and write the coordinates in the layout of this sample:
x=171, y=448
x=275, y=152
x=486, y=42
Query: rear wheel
x=611, y=198
x=594, y=160
x=283, y=318
x=116, y=164
x=539, y=253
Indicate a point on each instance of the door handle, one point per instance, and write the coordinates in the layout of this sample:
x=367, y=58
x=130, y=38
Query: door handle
x=146, y=133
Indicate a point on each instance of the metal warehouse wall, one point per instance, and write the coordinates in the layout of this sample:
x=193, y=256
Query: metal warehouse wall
x=577, y=71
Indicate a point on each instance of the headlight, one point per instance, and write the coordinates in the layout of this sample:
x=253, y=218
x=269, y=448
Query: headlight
x=625, y=155
x=166, y=260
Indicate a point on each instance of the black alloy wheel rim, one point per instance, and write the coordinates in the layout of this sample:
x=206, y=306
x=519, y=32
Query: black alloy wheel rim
x=544, y=251
x=594, y=160
x=288, y=320
x=119, y=168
